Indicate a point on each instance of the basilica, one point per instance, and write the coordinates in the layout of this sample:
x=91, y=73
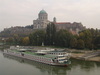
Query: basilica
x=42, y=21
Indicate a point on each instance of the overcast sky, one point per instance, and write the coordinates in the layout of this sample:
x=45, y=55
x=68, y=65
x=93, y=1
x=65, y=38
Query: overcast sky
x=23, y=12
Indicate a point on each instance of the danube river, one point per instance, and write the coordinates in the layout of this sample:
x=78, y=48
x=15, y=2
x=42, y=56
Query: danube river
x=10, y=65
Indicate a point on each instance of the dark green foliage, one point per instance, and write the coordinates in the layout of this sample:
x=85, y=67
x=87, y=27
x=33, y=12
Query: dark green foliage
x=80, y=44
x=50, y=34
x=90, y=37
x=37, y=38
x=86, y=36
x=63, y=38
x=87, y=39
x=97, y=42
x=73, y=43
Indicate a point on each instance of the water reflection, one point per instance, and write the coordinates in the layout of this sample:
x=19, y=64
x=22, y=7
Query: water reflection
x=78, y=67
x=45, y=69
x=85, y=65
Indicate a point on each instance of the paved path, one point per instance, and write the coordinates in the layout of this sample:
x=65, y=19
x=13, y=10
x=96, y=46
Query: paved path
x=91, y=54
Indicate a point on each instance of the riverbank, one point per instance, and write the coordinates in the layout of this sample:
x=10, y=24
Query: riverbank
x=78, y=54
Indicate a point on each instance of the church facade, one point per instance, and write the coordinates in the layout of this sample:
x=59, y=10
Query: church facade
x=42, y=21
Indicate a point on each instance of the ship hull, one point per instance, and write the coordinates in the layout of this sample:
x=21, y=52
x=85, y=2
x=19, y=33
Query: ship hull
x=34, y=58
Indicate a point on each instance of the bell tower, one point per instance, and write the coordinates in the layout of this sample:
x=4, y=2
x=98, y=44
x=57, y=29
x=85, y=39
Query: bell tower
x=54, y=19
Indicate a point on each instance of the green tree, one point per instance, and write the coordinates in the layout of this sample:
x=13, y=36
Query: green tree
x=63, y=38
x=50, y=34
x=86, y=36
x=73, y=43
x=16, y=39
x=10, y=40
x=80, y=44
x=97, y=42
x=37, y=37
x=25, y=41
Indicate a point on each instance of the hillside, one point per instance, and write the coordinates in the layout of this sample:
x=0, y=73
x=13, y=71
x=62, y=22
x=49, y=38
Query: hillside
x=21, y=31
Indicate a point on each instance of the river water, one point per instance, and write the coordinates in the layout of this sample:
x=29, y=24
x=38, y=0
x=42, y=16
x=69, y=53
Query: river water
x=10, y=65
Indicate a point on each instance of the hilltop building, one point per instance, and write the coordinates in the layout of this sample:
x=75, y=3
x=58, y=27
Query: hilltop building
x=42, y=21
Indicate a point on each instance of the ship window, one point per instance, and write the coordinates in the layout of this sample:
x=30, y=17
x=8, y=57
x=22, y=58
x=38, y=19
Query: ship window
x=62, y=59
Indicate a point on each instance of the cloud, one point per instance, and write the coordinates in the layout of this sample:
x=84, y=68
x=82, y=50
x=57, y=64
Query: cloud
x=23, y=12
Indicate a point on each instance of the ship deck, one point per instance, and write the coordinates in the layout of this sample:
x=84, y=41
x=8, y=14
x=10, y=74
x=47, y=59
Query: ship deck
x=33, y=53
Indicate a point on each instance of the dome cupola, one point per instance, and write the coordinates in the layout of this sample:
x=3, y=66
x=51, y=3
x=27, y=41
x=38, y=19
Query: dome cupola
x=42, y=12
x=43, y=15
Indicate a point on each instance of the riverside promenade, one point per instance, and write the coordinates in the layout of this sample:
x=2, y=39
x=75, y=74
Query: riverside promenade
x=86, y=55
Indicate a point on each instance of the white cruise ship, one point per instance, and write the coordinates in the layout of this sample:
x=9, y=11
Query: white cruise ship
x=48, y=56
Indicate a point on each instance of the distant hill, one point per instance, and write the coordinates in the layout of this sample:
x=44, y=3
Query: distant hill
x=29, y=26
x=21, y=31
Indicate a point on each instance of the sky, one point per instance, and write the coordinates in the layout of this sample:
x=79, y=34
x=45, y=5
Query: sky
x=23, y=12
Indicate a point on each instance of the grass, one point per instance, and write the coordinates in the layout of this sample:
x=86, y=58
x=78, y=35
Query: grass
x=47, y=56
x=77, y=52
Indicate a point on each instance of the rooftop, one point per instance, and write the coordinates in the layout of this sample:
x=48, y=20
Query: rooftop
x=63, y=23
x=42, y=12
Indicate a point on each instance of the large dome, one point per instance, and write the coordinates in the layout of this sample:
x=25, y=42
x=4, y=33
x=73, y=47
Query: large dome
x=42, y=12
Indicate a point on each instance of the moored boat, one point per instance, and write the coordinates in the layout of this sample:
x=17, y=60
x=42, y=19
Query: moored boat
x=49, y=56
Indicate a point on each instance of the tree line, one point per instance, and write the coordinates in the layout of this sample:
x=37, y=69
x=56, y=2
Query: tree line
x=86, y=39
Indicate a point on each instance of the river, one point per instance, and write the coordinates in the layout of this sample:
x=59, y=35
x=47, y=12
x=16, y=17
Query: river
x=10, y=65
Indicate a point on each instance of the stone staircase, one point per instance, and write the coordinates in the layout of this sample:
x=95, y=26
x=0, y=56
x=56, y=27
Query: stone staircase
x=90, y=55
